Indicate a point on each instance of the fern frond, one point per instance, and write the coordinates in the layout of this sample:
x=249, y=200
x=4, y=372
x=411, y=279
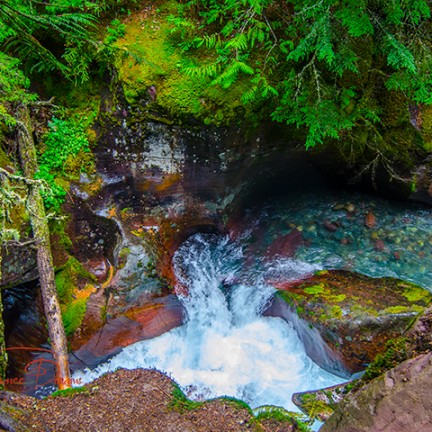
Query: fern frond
x=208, y=70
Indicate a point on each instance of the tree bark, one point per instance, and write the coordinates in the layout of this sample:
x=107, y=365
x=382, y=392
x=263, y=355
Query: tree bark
x=41, y=236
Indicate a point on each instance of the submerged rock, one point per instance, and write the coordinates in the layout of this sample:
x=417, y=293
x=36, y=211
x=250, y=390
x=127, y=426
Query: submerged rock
x=397, y=401
x=286, y=245
x=345, y=319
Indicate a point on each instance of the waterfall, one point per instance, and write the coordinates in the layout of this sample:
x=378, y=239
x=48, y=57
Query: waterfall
x=225, y=346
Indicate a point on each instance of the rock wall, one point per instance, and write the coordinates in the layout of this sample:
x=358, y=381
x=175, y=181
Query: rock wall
x=398, y=401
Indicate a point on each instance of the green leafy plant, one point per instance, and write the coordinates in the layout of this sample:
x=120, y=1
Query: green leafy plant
x=394, y=354
x=23, y=26
x=318, y=63
x=65, y=140
x=115, y=31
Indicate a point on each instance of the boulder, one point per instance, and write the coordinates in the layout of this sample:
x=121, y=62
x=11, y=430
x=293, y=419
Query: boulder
x=397, y=401
x=345, y=319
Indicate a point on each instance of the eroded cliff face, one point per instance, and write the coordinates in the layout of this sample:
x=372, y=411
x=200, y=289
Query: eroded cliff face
x=161, y=182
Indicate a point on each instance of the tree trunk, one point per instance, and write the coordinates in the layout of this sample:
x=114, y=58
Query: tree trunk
x=41, y=236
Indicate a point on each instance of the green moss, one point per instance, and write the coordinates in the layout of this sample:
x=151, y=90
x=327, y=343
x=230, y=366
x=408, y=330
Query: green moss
x=66, y=279
x=122, y=257
x=415, y=293
x=57, y=227
x=314, y=289
x=280, y=415
x=336, y=312
x=238, y=403
x=315, y=407
x=337, y=298
x=396, y=309
x=291, y=298
x=4, y=159
x=69, y=392
x=157, y=60
x=73, y=311
x=403, y=309
x=358, y=310
x=350, y=386
x=180, y=402
x=73, y=315
x=426, y=129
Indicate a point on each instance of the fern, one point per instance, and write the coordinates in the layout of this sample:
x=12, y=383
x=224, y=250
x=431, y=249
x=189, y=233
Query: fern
x=26, y=18
x=231, y=72
x=238, y=42
x=316, y=60
x=209, y=70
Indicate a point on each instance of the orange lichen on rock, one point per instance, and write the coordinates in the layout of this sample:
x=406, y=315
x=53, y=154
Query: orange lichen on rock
x=168, y=181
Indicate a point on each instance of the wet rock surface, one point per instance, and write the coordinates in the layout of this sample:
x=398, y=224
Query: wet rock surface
x=144, y=322
x=354, y=315
x=24, y=327
x=18, y=265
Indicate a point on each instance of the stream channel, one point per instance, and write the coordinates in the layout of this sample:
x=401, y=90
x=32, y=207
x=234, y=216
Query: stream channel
x=226, y=346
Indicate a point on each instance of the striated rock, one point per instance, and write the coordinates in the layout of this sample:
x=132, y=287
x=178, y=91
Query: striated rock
x=145, y=322
x=345, y=319
x=397, y=401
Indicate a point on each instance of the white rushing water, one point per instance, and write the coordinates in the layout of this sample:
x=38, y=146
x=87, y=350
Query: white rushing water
x=225, y=346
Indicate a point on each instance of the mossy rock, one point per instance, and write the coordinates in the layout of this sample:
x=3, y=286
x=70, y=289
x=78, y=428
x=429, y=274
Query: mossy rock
x=153, y=74
x=426, y=127
x=355, y=314
x=70, y=282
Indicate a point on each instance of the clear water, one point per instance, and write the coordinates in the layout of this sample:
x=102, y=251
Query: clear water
x=225, y=346
x=399, y=245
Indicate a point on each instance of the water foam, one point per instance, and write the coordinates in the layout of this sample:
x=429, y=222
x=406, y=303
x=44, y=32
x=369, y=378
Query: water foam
x=225, y=347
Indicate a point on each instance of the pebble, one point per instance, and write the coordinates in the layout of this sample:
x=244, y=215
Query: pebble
x=330, y=226
x=350, y=208
x=370, y=220
x=376, y=238
x=379, y=245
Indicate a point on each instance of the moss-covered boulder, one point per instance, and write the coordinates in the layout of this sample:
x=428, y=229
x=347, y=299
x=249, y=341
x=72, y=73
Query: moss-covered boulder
x=345, y=319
